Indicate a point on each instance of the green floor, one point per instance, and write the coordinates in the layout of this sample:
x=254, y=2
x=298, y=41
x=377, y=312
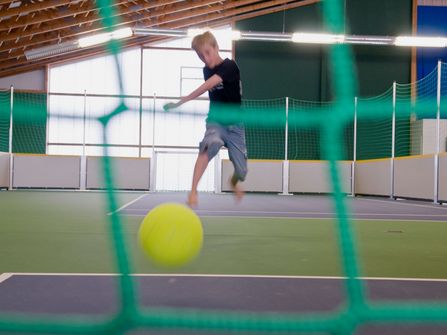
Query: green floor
x=68, y=232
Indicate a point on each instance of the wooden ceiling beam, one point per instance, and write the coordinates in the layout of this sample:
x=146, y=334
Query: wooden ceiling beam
x=222, y=6
x=23, y=65
x=29, y=65
x=63, y=24
x=271, y=10
x=214, y=12
x=35, y=7
x=55, y=14
x=56, y=34
x=187, y=20
x=204, y=16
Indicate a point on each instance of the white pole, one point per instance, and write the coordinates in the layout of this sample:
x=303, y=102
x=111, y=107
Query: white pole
x=141, y=104
x=217, y=174
x=354, y=155
x=11, y=163
x=84, y=122
x=393, y=142
x=83, y=170
x=152, y=175
x=285, y=165
x=438, y=135
x=286, y=148
x=47, y=129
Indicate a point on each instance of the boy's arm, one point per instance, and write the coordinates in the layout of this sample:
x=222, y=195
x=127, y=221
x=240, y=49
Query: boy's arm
x=214, y=80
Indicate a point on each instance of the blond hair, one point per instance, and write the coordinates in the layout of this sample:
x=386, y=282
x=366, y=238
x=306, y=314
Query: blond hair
x=200, y=40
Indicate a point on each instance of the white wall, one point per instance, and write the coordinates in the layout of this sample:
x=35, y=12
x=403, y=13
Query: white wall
x=440, y=3
x=34, y=80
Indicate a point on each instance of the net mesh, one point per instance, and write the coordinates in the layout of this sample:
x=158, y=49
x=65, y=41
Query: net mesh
x=416, y=106
x=5, y=112
x=266, y=141
x=325, y=128
x=374, y=130
x=29, y=123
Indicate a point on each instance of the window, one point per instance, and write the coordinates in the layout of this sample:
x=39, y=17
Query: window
x=83, y=91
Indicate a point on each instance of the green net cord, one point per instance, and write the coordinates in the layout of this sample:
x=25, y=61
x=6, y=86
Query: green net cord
x=331, y=120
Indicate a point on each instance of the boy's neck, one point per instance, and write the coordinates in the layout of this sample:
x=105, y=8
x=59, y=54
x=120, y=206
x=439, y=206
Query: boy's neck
x=218, y=62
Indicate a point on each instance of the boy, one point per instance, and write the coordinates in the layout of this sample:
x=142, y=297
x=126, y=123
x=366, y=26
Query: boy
x=222, y=81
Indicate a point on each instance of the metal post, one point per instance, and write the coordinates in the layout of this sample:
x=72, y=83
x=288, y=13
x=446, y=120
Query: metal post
x=47, y=129
x=83, y=170
x=84, y=122
x=438, y=135
x=286, y=148
x=11, y=162
x=153, y=171
x=393, y=142
x=354, y=156
x=285, y=165
x=141, y=104
x=217, y=174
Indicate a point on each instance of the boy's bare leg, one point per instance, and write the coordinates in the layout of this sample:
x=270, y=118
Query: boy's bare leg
x=237, y=189
x=199, y=169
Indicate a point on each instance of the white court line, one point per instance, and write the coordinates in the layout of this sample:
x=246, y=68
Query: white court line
x=223, y=276
x=303, y=213
x=404, y=203
x=128, y=204
x=302, y=218
x=5, y=276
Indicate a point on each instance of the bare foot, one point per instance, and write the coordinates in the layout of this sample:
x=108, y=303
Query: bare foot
x=192, y=199
x=237, y=189
x=238, y=192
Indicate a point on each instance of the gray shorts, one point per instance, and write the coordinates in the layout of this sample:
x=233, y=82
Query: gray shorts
x=231, y=137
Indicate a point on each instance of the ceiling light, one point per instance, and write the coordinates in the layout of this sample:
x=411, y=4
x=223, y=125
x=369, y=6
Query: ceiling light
x=51, y=50
x=105, y=37
x=415, y=41
x=235, y=35
x=317, y=38
x=159, y=32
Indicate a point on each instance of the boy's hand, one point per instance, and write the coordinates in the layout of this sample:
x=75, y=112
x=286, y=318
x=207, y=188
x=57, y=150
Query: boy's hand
x=169, y=106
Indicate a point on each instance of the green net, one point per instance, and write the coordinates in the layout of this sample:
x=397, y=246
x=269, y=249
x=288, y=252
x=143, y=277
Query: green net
x=5, y=112
x=411, y=119
x=29, y=123
x=374, y=130
x=29, y=131
x=266, y=141
x=304, y=141
x=327, y=132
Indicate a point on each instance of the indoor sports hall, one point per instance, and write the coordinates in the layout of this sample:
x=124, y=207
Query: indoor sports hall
x=340, y=224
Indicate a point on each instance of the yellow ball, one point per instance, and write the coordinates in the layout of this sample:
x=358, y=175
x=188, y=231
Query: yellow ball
x=171, y=235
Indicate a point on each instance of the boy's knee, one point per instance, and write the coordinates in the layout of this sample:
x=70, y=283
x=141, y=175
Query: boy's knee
x=212, y=147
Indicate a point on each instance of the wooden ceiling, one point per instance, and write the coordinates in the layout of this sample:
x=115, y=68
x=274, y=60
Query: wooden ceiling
x=30, y=24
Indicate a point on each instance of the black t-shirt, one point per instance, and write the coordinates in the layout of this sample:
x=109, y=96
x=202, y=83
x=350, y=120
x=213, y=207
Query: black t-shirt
x=228, y=92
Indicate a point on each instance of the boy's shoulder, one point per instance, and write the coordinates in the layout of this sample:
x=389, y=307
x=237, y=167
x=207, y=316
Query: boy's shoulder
x=229, y=64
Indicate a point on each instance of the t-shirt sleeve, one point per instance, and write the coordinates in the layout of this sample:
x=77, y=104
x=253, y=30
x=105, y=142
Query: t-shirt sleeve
x=228, y=71
x=206, y=73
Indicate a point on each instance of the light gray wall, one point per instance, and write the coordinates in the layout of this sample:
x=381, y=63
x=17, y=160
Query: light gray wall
x=40, y=171
x=373, y=177
x=312, y=177
x=414, y=177
x=4, y=170
x=263, y=176
x=130, y=173
x=34, y=80
x=442, y=182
